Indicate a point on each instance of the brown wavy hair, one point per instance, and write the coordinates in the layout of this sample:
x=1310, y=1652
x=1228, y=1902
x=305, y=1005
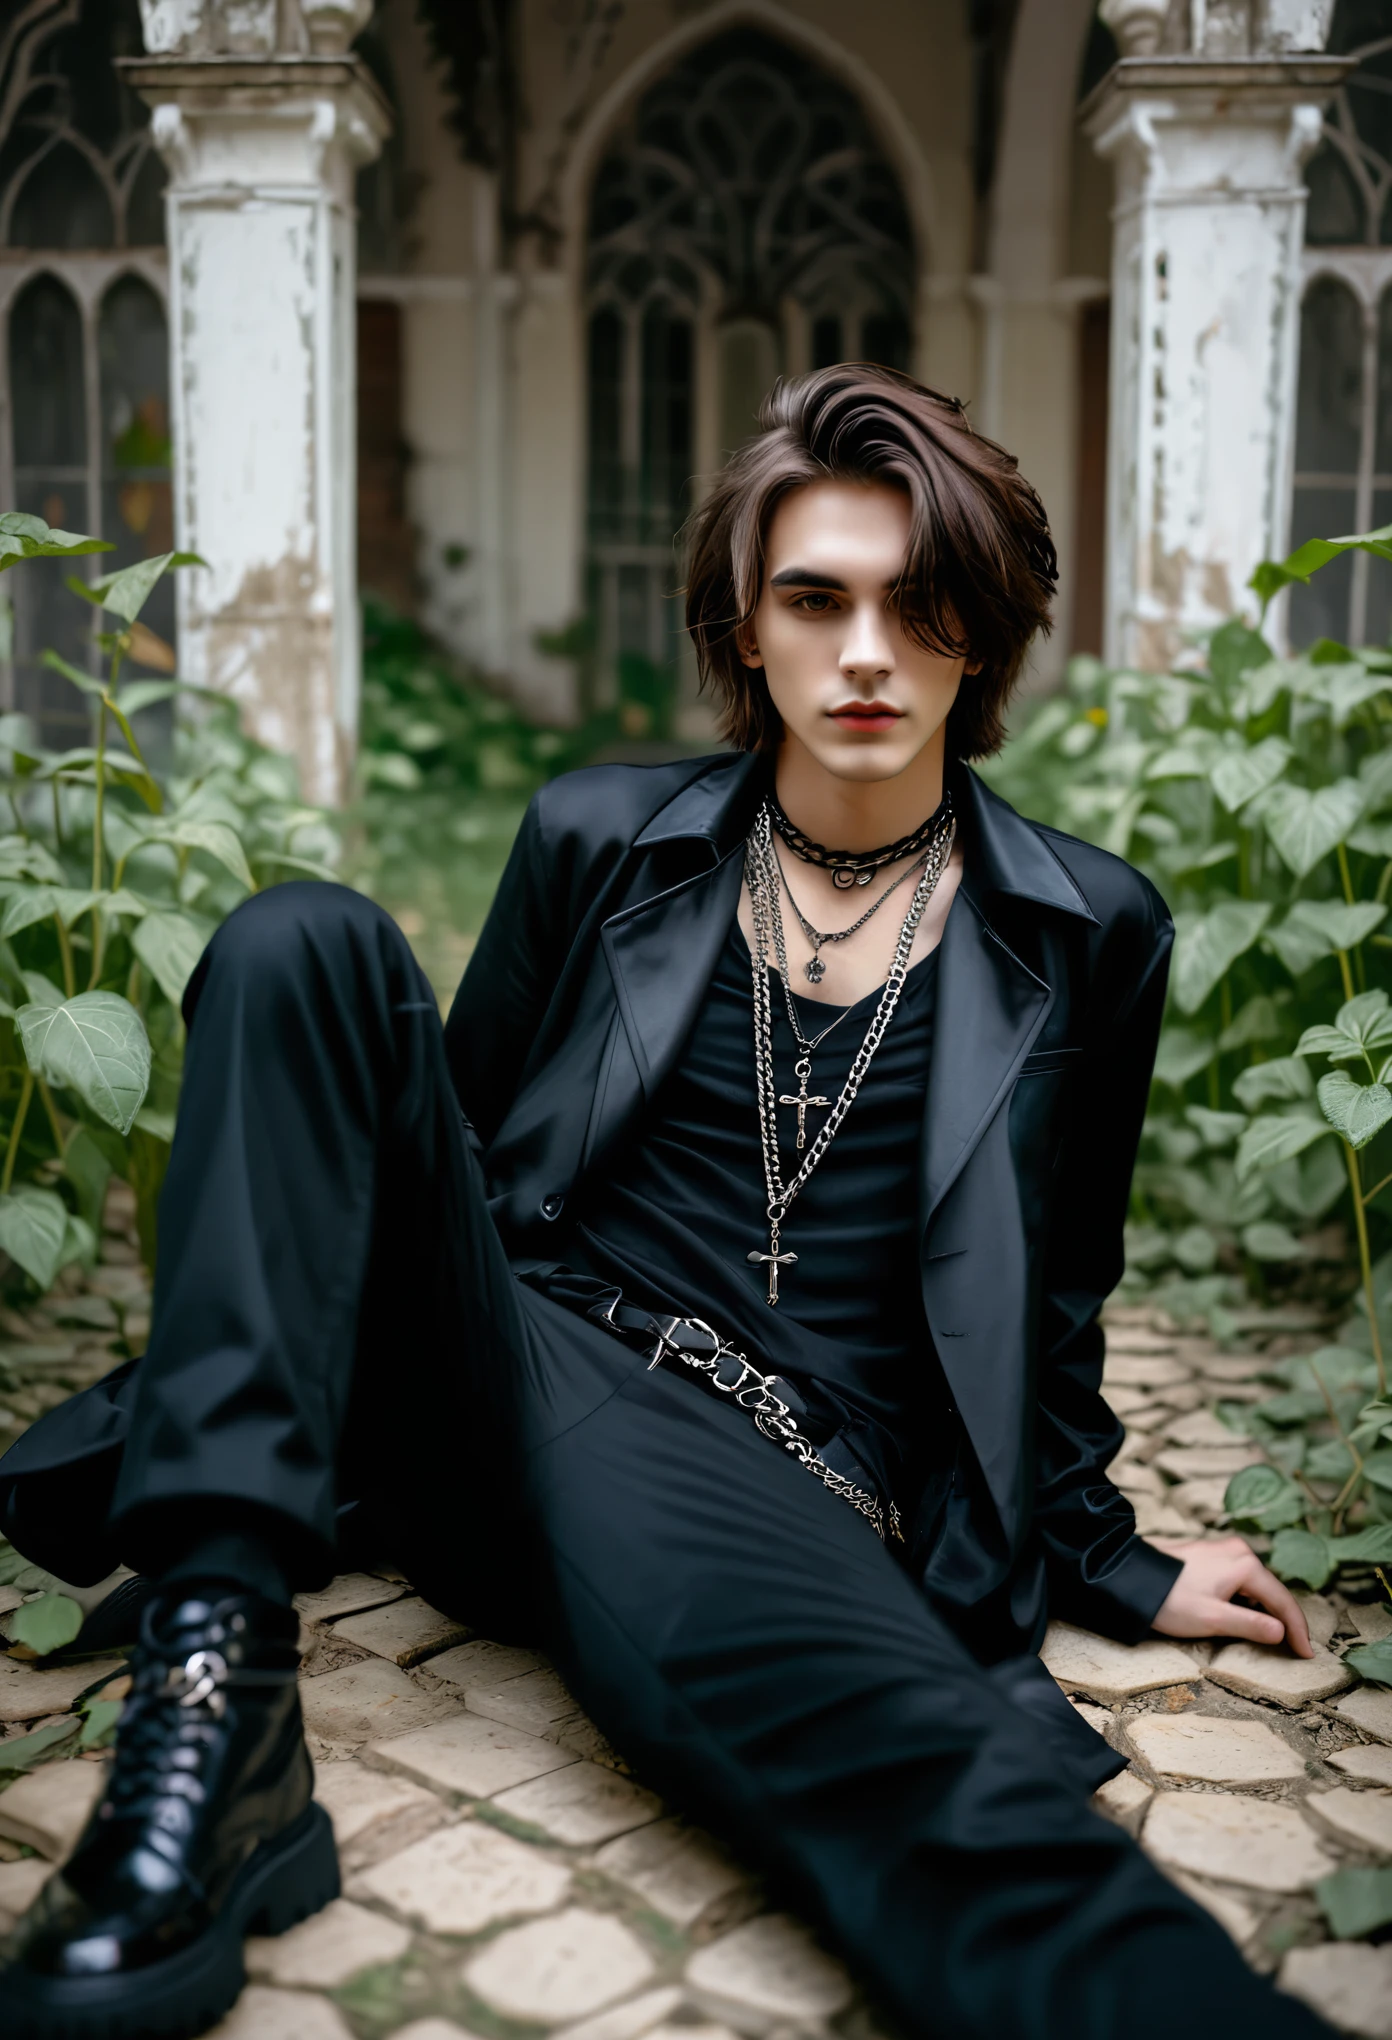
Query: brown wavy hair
x=979, y=574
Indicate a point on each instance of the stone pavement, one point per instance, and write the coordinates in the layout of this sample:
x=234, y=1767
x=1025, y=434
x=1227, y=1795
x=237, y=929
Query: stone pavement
x=505, y=1877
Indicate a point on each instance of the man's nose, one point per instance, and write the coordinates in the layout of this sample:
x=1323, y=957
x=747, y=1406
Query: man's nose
x=867, y=652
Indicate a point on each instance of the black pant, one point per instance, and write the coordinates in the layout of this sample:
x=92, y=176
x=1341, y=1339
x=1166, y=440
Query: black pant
x=335, y=1314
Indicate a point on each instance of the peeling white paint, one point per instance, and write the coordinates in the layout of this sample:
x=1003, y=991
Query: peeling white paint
x=263, y=359
x=1207, y=236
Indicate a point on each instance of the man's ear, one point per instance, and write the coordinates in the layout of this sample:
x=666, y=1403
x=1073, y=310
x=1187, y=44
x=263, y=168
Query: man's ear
x=746, y=644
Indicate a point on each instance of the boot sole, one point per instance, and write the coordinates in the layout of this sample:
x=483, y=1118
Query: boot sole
x=283, y=1882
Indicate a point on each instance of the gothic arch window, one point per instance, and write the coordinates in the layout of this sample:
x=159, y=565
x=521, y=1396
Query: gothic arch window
x=743, y=224
x=1343, y=456
x=84, y=356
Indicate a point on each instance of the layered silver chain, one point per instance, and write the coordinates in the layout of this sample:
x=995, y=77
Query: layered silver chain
x=762, y=877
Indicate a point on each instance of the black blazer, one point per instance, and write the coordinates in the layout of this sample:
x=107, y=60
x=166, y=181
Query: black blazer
x=587, y=977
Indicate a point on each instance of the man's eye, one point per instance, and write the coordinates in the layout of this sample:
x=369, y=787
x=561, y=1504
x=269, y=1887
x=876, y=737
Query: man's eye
x=816, y=604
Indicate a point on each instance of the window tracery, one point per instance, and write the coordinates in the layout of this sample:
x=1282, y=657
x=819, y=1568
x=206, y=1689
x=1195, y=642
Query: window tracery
x=743, y=223
x=84, y=437
x=1343, y=458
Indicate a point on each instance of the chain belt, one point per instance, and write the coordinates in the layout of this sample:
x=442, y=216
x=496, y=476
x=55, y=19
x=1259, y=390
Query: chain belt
x=691, y=1342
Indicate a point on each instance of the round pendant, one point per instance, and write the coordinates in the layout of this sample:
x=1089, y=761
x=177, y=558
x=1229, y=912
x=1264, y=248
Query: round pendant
x=816, y=971
x=843, y=877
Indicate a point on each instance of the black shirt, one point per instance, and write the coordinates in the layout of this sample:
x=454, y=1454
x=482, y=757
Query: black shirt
x=674, y=1220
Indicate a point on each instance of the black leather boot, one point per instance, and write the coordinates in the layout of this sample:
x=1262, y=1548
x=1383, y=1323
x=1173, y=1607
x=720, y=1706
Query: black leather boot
x=207, y=1832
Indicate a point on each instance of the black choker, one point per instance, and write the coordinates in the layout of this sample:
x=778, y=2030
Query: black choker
x=858, y=867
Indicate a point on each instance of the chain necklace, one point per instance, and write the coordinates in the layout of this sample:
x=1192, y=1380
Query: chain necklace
x=814, y=970
x=854, y=867
x=768, y=930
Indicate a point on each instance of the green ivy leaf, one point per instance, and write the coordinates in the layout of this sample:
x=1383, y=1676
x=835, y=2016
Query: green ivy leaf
x=25, y=537
x=47, y=1624
x=33, y=1228
x=1300, y=1555
x=1207, y=945
x=1265, y=1496
x=1182, y=1054
x=169, y=946
x=218, y=839
x=1372, y=1661
x=99, y=1719
x=94, y=1045
x=1357, y=1111
x=1268, y=1241
x=1273, y=575
x=22, y=1752
x=1314, y=929
x=1360, y=1026
x=1283, y=1080
x=1276, y=1137
x=1238, y=776
x=125, y=593
x=1372, y=1546
x=1356, y=1902
x=1216, y=1129
x=1304, y=827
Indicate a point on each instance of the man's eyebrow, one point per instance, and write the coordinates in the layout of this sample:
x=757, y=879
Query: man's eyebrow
x=805, y=577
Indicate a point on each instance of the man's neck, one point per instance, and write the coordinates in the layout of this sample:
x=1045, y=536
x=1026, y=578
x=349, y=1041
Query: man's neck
x=853, y=814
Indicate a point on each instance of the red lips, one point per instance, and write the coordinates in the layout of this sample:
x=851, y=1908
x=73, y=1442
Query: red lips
x=867, y=715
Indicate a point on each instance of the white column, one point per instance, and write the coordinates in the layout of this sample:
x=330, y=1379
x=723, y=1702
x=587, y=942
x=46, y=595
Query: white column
x=262, y=153
x=1209, y=219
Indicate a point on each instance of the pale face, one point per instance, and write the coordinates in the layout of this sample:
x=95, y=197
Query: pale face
x=856, y=694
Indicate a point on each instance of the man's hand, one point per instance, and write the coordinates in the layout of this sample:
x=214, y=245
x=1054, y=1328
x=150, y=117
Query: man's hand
x=1200, y=1603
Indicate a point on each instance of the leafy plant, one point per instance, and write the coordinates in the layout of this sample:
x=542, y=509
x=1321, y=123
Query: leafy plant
x=1256, y=792
x=112, y=878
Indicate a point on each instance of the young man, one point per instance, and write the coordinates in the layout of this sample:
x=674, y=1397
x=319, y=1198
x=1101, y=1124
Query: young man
x=740, y=1346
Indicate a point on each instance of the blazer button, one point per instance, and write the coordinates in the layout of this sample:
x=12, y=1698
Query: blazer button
x=552, y=1206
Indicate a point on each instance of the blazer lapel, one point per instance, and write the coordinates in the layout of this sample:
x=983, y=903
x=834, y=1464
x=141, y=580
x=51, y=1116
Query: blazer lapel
x=662, y=955
x=990, y=1009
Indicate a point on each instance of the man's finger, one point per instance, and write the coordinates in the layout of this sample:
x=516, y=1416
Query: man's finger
x=1264, y=1586
x=1228, y=1618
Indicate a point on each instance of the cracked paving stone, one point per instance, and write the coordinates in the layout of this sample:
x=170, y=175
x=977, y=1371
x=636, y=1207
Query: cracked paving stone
x=20, y=1885
x=348, y=1594
x=1107, y=1671
x=561, y=1968
x=1363, y=1819
x=1372, y=1620
x=404, y=1632
x=326, y=1950
x=27, y=1693
x=581, y=1805
x=1100, y=1718
x=431, y=2029
x=1160, y=1519
x=1371, y=1761
x=357, y=1799
x=465, y=1878
x=1124, y=1799
x=470, y=1755
x=538, y=1703
x=627, y=2021
x=1205, y=1499
x=772, y=1965
x=1348, y=1984
x=368, y=1699
x=1259, y=1671
x=1143, y=1370
x=1235, y=1840
x=1200, y=1427
x=261, y=2013
x=1216, y=1751
x=1237, y=1920
x=1321, y=1617
x=48, y=1809
x=481, y=1663
x=677, y=1869
x=1369, y=1709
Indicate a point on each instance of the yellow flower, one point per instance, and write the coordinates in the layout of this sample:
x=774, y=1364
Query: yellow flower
x=1098, y=716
